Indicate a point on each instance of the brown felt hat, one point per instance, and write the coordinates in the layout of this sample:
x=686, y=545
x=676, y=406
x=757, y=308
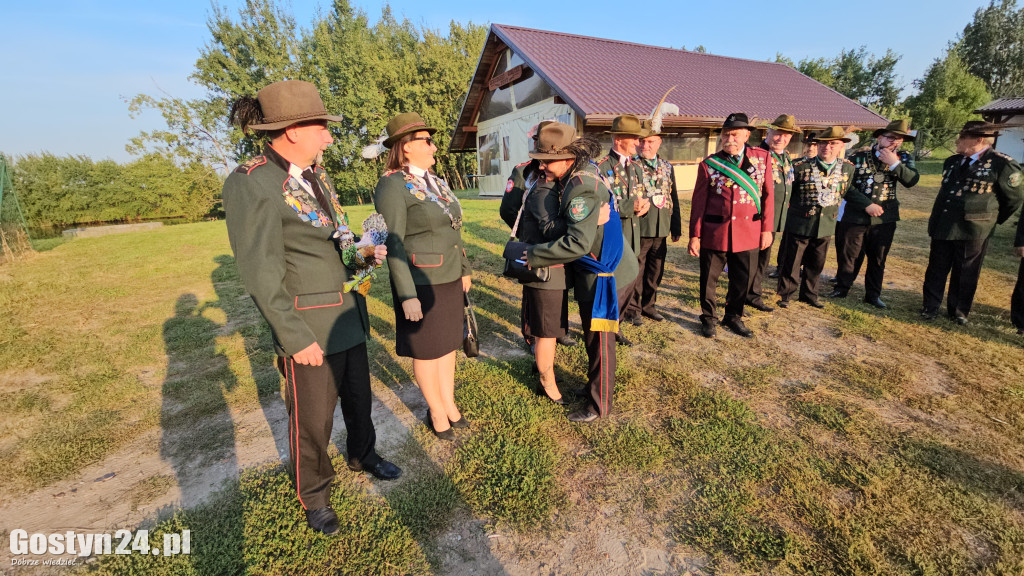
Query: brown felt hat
x=405, y=123
x=979, y=129
x=628, y=125
x=552, y=141
x=901, y=127
x=290, y=102
x=785, y=123
x=833, y=133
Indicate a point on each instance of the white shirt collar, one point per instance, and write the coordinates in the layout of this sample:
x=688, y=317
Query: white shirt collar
x=296, y=172
x=974, y=157
x=417, y=171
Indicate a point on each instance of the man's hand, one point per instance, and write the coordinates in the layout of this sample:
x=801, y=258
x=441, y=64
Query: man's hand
x=694, y=246
x=413, y=310
x=766, y=240
x=467, y=282
x=380, y=252
x=641, y=206
x=874, y=210
x=1019, y=250
x=604, y=214
x=311, y=355
x=888, y=157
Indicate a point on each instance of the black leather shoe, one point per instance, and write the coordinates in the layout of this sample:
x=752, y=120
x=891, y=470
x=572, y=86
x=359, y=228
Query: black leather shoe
x=737, y=326
x=708, y=330
x=812, y=303
x=929, y=314
x=837, y=293
x=876, y=302
x=585, y=415
x=635, y=320
x=460, y=423
x=656, y=316
x=446, y=434
x=774, y=273
x=623, y=340
x=762, y=307
x=566, y=340
x=960, y=319
x=382, y=470
x=783, y=304
x=323, y=520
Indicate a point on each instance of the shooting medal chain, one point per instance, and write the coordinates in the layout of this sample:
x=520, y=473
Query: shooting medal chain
x=828, y=186
x=443, y=198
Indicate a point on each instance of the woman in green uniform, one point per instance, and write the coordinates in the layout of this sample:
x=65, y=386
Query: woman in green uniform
x=428, y=264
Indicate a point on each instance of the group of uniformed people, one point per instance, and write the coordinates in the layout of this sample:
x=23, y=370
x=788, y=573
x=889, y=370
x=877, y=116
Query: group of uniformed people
x=599, y=224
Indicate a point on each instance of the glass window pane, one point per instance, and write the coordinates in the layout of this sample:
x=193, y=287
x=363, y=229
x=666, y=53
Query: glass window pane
x=488, y=151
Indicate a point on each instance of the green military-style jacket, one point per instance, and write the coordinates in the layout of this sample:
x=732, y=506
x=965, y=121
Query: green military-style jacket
x=782, y=177
x=874, y=183
x=288, y=261
x=424, y=242
x=543, y=222
x=515, y=188
x=626, y=184
x=583, y=193
x=659, y=181
x=812, y=213
x=974, y=198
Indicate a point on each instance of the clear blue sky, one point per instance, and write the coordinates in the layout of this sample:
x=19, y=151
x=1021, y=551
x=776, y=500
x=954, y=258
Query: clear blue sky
x=67, y=66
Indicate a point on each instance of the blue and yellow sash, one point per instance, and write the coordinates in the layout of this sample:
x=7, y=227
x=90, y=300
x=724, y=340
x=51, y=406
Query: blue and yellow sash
x=605, y=315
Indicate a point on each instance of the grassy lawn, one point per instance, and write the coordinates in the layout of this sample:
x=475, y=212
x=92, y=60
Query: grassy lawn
x=841, y=441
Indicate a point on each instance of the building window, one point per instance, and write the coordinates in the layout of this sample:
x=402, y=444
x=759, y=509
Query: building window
x=488, y=151
x=678, y=148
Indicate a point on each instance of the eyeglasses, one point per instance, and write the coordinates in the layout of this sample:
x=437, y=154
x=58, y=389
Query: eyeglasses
x=428, y=139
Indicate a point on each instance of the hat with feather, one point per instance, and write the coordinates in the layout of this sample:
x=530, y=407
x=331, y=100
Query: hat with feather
x=652, y=125
x=399, y=126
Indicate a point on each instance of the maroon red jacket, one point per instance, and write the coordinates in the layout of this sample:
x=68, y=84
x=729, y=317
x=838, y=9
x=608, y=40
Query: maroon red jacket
x=723, y=215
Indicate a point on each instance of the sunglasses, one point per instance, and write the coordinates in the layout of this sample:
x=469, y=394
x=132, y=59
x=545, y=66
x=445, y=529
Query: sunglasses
x=428, y=139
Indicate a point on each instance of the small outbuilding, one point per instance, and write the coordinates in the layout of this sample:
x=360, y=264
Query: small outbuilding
x=1007, y=111
x=525, y=76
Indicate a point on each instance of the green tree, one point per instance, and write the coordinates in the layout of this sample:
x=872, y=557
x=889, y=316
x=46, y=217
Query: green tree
x=858, y=75
x=947, y=97
x=197, y=130
x=992, y=47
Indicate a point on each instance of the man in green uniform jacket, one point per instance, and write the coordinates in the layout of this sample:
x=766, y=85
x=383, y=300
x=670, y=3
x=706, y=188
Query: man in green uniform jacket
x=661, y=220
x=980, y=188
x=285, y=225
x=818, y=187
x=625, y=178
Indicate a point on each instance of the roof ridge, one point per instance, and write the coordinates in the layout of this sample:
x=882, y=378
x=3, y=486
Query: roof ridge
x=628, y=43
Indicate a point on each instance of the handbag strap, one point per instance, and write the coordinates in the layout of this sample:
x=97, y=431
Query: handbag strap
x=523, y=205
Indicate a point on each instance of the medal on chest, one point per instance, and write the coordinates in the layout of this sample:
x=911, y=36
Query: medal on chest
x=444, y=198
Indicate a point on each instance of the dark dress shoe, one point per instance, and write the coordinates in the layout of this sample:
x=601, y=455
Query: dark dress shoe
x=323, y=520
x=656, y=316
x=446, y=434
x=585, y=415
x=774, y=273
x=460, y=423
x=929, y=314
x=783, y=304
x=382, y=470
x=812, y=303
x=636, y=320
x=566, y=340
x=539, y=391
x=876, y=302
x=737, y=326
x=582, y=393
x=837, y=293
x=960, y=319
x=623, y=340
x=708, y=330
x=761, y=306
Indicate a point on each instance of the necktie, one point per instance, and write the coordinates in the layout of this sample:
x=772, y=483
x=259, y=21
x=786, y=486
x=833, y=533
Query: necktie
x=736, y=160
x=314, y=183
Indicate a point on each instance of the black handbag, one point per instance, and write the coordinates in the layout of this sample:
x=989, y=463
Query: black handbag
x=470, y=335
x=515, y=267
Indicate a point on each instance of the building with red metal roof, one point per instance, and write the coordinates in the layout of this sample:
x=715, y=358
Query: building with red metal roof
x=525, y=75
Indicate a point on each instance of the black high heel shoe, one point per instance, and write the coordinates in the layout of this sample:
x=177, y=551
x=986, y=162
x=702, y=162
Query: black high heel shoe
x=462, y=422
x=539, y=391
x=448, y=434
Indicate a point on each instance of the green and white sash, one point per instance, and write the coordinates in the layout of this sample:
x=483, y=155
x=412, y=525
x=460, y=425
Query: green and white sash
x=734, y=173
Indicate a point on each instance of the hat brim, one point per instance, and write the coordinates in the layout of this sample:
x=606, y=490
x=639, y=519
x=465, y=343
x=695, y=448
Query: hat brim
x=982, y=134
x=820, y=139
x=392, y=139
x=638, y=134
x=286, y=123
x=552, y=156
x=880, y=131
x=783, y=129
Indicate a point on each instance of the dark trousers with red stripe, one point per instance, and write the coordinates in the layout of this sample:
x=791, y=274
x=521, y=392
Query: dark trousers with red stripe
x=600, y=362
x=1017, y=299
x=653, y=251
x=311, y=393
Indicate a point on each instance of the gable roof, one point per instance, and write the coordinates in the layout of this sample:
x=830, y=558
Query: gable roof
x=601, y=79
x=1014, y=104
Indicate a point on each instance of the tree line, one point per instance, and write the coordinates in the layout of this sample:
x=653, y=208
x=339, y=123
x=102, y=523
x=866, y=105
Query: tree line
x=368, y=73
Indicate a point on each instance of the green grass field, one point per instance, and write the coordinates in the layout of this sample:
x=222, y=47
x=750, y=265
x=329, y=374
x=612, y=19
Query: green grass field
x=842, y=441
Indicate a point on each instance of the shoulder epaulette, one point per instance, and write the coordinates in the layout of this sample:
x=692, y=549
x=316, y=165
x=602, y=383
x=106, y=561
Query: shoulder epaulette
x=801, y=160
x=389, y=173
x=860, y=150
x=1004, y=156
x=523, y=164
x=846, y=161
x=251, y=164
x=605, y=157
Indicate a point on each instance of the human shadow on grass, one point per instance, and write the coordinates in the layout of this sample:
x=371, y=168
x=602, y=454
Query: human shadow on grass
x=244, y=319
x=968, y=470
x=198, y=437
